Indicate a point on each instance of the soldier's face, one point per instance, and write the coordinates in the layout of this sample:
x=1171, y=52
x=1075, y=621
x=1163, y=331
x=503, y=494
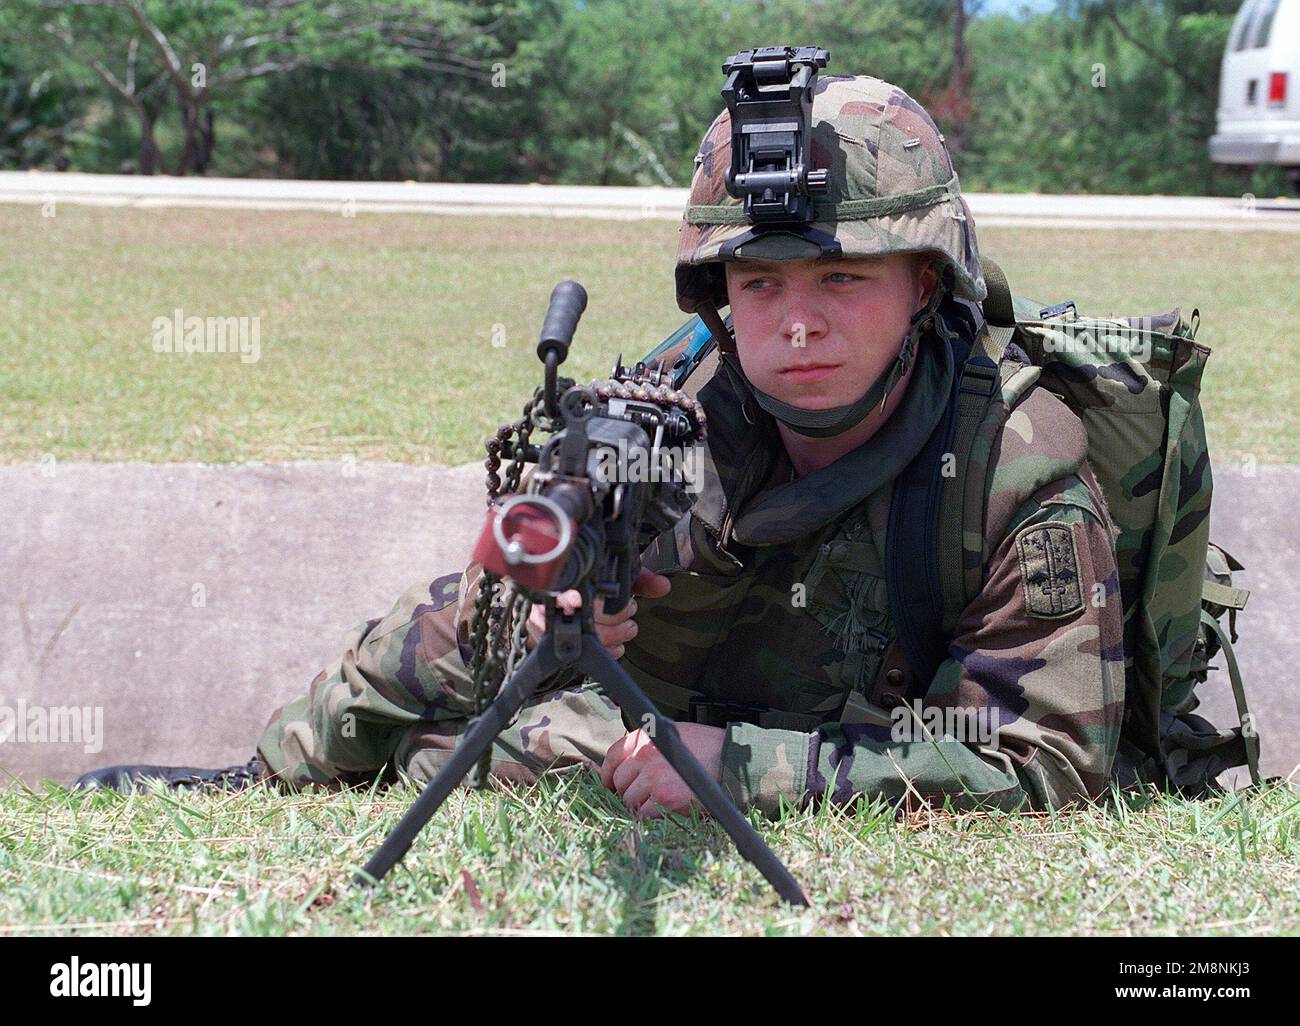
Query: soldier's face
x=817, y=333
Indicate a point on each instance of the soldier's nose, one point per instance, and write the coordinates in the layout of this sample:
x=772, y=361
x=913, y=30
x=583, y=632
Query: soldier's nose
x=801, y=326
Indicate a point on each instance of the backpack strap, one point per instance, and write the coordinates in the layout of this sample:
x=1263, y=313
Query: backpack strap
x=962, y=504
x=1249, y=735
x=912, y=582
x=926, y=577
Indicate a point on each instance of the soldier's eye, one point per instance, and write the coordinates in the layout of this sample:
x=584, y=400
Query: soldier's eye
x=755, y=282
x=844, y=276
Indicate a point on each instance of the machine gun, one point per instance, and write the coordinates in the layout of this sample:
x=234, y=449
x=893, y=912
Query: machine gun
x=577, y=526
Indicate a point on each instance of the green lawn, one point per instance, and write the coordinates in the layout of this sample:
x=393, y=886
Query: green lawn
x=565, y=857
x=377, y=332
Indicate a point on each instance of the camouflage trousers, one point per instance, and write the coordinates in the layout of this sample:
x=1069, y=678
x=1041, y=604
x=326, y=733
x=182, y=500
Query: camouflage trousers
x=397, y=699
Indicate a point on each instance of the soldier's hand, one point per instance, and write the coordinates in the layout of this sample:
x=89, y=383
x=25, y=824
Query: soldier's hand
x=613, y=630
x=637, y=772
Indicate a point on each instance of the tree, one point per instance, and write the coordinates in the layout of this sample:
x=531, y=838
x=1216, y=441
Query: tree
x=351, y=120
x=630, y=95
x=952, y=105
x=185, y=54
x=1167, y=55
x=1100, y=96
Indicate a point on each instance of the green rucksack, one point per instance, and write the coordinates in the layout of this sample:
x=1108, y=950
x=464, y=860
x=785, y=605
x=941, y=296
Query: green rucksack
x=1135, y=384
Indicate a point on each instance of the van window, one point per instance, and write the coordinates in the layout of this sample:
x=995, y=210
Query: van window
x=1268, y=11
x=1242, y=29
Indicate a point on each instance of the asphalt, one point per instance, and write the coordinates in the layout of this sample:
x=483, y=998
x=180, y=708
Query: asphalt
x=187, y=602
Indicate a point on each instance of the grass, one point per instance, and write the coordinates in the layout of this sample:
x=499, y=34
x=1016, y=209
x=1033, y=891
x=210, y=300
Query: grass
x=564, y=857
x=377, y=332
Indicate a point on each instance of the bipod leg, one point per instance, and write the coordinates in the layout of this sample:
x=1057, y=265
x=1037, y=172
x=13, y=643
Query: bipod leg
x=597, y=663
x=536, y=667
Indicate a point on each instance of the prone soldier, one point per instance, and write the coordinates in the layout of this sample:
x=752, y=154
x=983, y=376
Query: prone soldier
x=762, y=621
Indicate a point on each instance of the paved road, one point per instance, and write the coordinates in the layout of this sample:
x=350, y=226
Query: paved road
x=188, y=601
x=619, y=202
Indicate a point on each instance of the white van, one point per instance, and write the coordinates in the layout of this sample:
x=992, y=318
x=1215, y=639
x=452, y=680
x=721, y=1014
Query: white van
x=1259, y=89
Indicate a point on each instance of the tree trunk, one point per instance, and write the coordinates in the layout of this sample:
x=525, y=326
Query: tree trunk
x=205, y=142
x=150, y=157
x=960, y=81
x=190, y=127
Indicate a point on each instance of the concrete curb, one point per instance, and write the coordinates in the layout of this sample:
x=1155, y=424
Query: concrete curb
x=104, y=566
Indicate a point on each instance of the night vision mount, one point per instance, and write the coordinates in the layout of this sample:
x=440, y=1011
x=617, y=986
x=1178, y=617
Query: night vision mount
x=769, y=93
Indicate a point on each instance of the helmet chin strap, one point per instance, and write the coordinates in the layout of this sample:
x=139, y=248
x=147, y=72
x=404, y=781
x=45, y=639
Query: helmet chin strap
x=838, y=419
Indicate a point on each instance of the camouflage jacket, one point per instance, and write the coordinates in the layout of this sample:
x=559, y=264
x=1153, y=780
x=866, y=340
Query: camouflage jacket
x=777, y=625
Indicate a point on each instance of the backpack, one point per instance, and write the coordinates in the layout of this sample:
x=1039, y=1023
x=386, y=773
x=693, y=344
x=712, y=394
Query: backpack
x=1135, y=383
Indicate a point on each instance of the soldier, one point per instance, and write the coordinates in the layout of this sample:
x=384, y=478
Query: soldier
x=762, y=621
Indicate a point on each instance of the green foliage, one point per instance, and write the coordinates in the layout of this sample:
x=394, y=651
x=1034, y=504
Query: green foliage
x=1106, y=96
x=38, y=112
x=635, y=94
x=1096, y=96
x=1103, y=96
x=353, y=123
x=409, y=118
x=187, y=58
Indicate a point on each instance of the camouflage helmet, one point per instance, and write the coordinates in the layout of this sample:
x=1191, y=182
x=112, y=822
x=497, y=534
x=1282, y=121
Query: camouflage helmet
x=892, y=189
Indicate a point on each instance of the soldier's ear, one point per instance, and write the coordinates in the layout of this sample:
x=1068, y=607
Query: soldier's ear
x=926, y=278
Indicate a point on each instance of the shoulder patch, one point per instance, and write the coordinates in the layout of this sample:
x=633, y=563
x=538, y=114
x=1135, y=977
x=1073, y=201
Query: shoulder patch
x=1049, y=571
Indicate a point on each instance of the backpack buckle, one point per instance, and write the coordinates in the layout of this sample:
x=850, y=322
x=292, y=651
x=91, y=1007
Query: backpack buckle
x=978, y=377
x=1059, y=310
